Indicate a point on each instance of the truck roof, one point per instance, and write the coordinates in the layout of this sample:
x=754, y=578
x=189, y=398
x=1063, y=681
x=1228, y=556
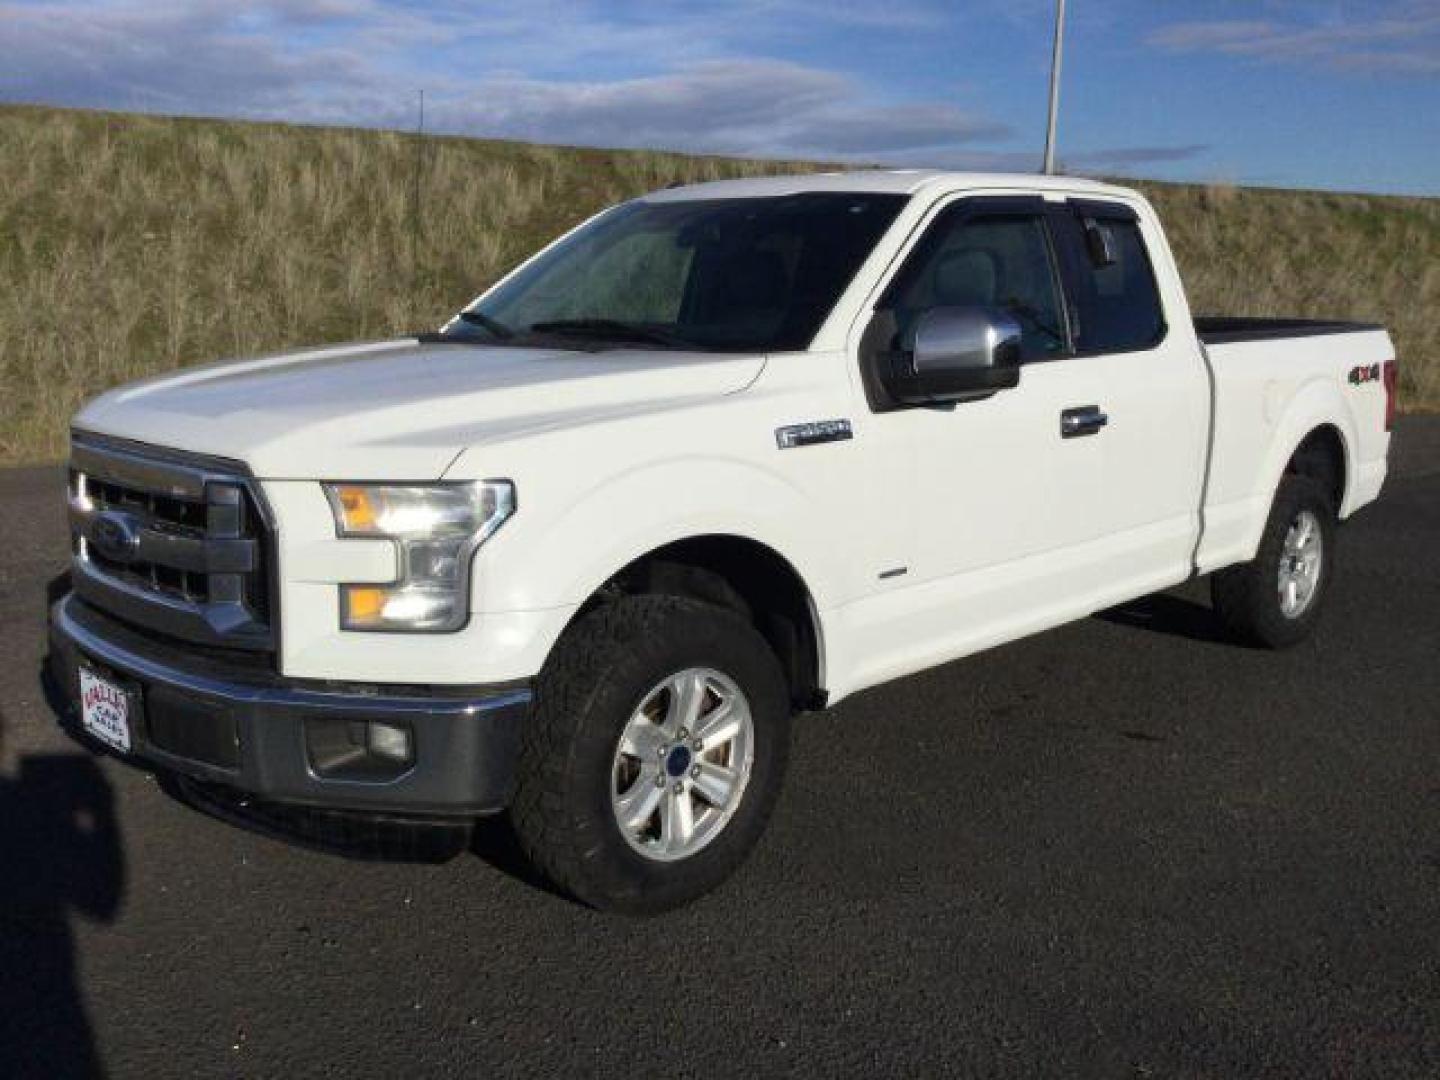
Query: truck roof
x=878, y=181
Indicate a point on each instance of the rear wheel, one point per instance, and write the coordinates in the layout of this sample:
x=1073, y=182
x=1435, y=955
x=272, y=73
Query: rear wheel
x=1275, y=599
x=655, y=753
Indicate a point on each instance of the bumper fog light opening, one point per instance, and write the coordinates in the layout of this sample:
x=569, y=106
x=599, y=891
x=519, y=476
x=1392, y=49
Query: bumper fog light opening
x=359, y=750
x=391, y=741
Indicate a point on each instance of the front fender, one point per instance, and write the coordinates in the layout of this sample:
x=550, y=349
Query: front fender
x=557, y=559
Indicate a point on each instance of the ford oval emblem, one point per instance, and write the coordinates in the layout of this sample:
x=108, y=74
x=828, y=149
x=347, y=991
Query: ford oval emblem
x=115, y=536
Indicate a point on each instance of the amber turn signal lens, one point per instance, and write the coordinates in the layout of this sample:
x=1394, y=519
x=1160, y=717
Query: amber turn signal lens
x=358, y=511
x=363, y=604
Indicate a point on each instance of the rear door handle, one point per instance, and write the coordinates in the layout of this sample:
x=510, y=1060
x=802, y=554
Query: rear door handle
x=1086, y=420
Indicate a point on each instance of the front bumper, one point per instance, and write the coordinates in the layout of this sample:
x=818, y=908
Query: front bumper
x=243, y=727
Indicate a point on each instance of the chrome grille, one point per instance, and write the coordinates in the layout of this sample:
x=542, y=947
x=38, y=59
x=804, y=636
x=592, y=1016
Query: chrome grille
x=175, y=543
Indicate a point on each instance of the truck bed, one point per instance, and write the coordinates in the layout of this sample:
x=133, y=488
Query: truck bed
x=1229, y=329
x=1276, y=381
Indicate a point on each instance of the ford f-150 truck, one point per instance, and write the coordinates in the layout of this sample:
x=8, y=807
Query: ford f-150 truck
x=718, y=456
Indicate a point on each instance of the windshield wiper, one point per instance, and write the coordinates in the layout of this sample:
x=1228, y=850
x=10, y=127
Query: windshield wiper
x=614, y=330
x=479, y=318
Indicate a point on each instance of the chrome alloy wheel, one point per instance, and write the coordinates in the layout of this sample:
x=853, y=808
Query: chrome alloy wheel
x=1301, y=560
x=682, y=764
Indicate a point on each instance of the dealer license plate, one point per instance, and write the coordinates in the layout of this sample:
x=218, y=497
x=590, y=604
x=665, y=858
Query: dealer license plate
x=105, y=709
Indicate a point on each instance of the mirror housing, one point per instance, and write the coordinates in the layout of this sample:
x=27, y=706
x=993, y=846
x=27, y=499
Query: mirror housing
x=1100, y=244
x=960, y=353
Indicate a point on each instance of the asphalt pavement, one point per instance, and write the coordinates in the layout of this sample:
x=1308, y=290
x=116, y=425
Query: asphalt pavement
x=1125, y=847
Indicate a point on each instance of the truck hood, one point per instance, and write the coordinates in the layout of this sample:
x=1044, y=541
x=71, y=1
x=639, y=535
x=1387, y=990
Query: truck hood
x=399, y=410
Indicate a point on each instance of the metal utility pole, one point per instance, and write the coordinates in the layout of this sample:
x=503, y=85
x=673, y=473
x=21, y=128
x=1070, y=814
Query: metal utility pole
x=1055, y=63
x=415, y=211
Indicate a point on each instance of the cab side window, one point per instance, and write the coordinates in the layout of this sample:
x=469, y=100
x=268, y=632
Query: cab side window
x=1117, y=300
x=1000, y=262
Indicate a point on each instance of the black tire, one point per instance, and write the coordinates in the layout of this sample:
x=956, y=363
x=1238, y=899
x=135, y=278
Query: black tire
x=597, y=676
x=1247, y=597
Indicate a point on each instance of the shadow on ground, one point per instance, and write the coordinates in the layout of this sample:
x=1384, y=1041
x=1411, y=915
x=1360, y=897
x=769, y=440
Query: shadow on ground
x=367, y=839
x=1170, y=615
x=60, y=858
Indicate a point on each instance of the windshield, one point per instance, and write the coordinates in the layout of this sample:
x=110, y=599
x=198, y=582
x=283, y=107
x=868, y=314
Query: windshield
x=756, y=274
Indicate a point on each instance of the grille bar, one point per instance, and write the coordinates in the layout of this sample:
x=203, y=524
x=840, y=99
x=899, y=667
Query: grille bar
x=184, y=551
x=175, y=543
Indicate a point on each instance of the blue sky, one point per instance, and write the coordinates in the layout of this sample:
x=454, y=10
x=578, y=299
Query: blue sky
x=1318, y=93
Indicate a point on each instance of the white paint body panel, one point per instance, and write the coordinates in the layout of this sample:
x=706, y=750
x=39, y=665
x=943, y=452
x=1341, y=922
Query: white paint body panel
x=1002, y=528
x=398, y=410
x=1268, y=396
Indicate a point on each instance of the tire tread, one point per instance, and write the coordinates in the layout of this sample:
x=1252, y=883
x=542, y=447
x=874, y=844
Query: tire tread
x=551, y=830
x=1244, y=596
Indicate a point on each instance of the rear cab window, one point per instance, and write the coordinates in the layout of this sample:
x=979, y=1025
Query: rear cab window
x=1114, y=294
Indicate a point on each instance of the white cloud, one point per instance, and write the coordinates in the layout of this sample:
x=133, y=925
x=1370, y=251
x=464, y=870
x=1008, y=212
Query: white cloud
x=1395, y=37
x=1117, y=161
x=360, y=62
x=350, y=61
x=193, y=58
x=744, y=106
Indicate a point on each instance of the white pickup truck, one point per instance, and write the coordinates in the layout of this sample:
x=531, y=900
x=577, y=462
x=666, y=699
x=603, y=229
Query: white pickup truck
x=719, y=455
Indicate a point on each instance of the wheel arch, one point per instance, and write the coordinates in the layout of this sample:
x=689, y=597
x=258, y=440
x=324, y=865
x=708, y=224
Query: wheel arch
x=1317, y=421
x=1315, y=434
x=746, y=576
x=1322, y=456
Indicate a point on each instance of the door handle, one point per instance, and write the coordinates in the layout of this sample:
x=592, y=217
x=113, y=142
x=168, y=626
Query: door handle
x=1087, y=420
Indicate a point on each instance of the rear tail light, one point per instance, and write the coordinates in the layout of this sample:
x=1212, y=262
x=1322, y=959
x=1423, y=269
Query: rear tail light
x=1391, y=374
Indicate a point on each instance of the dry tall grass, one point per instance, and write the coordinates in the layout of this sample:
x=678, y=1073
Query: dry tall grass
x=1315, y=255
x=132, y=244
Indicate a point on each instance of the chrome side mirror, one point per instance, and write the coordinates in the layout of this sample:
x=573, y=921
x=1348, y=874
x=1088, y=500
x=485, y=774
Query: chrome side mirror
x=960, y=352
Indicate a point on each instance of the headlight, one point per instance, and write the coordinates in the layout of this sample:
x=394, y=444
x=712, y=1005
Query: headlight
x=436, y=529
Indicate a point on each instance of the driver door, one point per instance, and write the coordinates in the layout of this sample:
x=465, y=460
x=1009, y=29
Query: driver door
x=1005, y=495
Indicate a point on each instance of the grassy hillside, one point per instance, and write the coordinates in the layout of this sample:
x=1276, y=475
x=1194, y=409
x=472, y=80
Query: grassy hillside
x=132, y=244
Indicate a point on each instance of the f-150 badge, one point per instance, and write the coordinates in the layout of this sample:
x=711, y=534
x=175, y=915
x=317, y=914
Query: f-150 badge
x=816, y=431
x=1365, y=373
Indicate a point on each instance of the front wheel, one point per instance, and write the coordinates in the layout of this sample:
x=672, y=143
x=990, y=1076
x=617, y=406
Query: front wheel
x=1275, y=599
x=655, y=753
